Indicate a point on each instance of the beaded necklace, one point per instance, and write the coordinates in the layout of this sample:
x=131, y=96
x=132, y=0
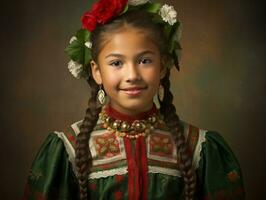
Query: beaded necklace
x=131, y=130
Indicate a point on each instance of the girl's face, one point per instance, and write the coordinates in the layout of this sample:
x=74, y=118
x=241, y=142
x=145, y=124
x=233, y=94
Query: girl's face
x=129, y=67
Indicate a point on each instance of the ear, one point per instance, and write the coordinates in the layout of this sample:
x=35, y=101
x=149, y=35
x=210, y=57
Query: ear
x=96, y=73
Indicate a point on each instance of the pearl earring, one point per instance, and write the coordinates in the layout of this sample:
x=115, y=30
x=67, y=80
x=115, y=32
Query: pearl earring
x=161, y=92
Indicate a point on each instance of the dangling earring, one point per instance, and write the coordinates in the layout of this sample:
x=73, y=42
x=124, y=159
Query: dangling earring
x=101, y=96
x=161, y=92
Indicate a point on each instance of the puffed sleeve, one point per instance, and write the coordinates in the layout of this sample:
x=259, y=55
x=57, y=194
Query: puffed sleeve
x=51, y=175
x=219, y=173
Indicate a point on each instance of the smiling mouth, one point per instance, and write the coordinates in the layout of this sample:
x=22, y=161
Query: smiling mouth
x=134, y=91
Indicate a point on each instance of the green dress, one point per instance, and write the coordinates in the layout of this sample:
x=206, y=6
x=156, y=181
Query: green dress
x=145, y=168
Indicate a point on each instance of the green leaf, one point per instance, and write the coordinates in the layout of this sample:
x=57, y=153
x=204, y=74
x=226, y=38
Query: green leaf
x=174, y=35
x=73, y=50
x=167, y=30
x=176, y=30
x=87, y=56
x=83, y=35
x=77, y=49
x=152, y=7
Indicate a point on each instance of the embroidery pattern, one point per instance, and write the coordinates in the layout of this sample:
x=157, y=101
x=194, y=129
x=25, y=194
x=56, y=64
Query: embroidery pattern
x=109, y=157
x=233, y=176
x=234, y=193
x=106, y=147
x=161, y=147
x=35, y=176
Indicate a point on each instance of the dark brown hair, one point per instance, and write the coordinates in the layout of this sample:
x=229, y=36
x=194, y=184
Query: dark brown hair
x=141, y=20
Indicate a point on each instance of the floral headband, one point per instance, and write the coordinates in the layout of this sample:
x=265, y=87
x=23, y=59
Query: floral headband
x=102, y=12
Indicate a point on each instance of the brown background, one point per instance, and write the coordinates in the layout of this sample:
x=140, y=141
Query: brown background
x=221, y=85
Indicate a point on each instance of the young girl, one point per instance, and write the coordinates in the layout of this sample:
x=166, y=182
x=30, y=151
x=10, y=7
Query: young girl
x=131, y=145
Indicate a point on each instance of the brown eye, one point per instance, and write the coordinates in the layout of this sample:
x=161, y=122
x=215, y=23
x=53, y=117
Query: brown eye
x=145, y=61
x=116, y=63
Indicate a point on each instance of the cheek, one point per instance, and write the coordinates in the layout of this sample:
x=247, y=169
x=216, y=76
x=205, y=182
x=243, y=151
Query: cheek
x=153, y=77
x=111, y=79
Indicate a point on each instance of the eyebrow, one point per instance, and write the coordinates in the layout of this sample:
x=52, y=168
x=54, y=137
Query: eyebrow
x=122, y=56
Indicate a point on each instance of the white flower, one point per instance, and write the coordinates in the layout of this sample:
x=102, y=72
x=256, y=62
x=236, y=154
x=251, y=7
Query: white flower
x=75, y=69
x=136, y=2
x=168, y=14
x=72, y=39
x=88, y=44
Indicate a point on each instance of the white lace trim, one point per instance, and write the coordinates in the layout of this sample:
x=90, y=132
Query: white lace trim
x=162, y=170
x=106, y=173
x=123, y=170
x=186, y=130
x=69, y=148
x=75, y=127
x=197, y=152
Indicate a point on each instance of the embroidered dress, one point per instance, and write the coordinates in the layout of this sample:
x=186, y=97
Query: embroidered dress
x=145, y=168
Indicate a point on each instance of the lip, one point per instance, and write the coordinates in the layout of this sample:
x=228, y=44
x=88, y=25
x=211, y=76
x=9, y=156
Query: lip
x=133, y=91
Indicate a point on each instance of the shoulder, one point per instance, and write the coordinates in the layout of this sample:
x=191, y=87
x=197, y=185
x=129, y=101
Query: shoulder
x=203, y=143
x=68, y=136
x=217, y=166
x=51, y=175
x=195, y=138
x=58, y=145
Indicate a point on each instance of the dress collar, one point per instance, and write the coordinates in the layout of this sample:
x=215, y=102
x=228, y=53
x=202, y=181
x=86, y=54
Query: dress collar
x=129, y=118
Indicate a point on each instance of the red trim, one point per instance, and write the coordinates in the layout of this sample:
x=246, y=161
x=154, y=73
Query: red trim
x=144, y=167
x=136, y=157
x=192, y=138
x=131, y=173
x=118, y=195
x=121, y=116
x=137, y=169
x=70, y=137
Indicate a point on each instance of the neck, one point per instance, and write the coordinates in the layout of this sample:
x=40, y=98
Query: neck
x=132, y=112
x=127, y=116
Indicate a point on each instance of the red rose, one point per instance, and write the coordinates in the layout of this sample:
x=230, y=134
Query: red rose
x=89, y=21
x=102, y=12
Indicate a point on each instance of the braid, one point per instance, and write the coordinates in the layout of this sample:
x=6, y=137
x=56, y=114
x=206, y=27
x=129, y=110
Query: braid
x=83, y=155
x=173, y=122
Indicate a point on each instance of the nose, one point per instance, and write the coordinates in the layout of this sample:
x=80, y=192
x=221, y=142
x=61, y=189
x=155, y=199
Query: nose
x=132, y=73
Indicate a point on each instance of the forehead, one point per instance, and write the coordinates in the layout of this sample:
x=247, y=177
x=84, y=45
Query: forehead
x=128, y=40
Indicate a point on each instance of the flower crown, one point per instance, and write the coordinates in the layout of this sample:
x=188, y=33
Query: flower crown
x=102, y=12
